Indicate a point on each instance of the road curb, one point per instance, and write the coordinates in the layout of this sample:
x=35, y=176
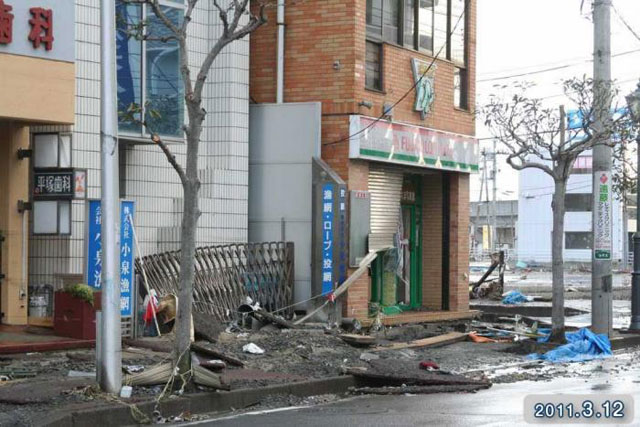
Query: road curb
x=118, y=415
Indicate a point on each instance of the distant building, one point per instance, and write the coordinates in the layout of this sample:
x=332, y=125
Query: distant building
x=482, y=221
x=535, y=217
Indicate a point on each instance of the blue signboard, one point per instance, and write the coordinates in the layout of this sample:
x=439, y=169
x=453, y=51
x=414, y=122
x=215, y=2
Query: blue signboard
x=327, y=238
x=94, y=251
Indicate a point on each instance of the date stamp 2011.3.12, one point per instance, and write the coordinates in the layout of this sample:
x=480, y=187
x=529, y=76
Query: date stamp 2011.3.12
x=579, y=409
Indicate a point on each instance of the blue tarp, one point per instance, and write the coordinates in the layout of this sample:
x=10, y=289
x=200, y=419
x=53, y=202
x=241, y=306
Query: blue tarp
x=581, y=346
x=515, y=297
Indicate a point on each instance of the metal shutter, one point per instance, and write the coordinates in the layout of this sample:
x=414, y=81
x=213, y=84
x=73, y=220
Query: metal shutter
x=385, y=187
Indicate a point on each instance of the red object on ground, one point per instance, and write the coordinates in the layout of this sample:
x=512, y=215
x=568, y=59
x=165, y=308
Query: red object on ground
x=429, y=365
x=73, y=317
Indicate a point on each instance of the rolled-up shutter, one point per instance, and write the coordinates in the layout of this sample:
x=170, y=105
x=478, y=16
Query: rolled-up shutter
x=385, y=187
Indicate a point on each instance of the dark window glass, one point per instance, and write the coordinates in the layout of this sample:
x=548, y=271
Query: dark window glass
x=460, y=88
x=165, y=94
x=373, y=74
x=390, y=20
x=577, y=240
x=409, y=23
x=580, y=202
x=129, y=63
x=425, y=23
x=374, y=18
x=458, y=32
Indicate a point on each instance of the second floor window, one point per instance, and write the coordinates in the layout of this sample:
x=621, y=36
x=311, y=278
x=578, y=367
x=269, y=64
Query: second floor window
x=373, y=71
x=149, y=70
x=431, y=26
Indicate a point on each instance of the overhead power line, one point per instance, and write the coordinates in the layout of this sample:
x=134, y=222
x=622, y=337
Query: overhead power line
x=546, y=70
x=624, y=22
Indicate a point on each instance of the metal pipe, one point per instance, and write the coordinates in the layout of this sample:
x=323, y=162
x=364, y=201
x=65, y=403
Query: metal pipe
x=635, y=277
x=280, y=59
x=109, y=370
x=23, y=291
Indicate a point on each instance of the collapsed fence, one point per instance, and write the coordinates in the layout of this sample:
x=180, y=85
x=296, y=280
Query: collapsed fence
x=225, y=275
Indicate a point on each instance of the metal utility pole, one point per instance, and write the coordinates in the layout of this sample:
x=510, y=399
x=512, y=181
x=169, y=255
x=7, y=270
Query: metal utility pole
x=601, y=277
x=109, y=369
x=494, y=236
x=633, y=100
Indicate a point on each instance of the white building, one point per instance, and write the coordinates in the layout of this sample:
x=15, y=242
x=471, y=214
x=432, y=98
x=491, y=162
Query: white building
x=535, y=217
x=148, y=72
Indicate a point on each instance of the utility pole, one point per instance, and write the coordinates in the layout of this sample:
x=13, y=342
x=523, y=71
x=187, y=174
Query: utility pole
x=494, y=237
x=109, y=369
x=601, y=277
x=486, y=184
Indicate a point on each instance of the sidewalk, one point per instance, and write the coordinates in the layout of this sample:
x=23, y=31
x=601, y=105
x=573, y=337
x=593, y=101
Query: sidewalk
x=26, y=339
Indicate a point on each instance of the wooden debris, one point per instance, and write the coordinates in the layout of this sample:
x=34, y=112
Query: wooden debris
x=393, y=372
x=439, y=340
x=159, y=374
x=206, y=326
x=162, y=345
x=217, y=354
x=421, y=389
x=207, y=378
x=213, y=365
x=358, y=340
x=266, y=317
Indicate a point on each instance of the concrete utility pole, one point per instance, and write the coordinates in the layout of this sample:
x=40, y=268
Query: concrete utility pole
x=486, y=185
x=494, y=207
x=109, y=369
x=601, y=278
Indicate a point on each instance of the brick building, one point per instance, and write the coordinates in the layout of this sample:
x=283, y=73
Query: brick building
x=411, y=149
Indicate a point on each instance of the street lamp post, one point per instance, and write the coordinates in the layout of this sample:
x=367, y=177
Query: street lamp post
x=633, y=101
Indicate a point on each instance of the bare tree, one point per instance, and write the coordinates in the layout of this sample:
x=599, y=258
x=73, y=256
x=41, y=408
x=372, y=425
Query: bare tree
x=238, y=20
x=537, y=136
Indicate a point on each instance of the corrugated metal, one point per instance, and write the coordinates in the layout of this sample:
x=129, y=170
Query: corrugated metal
x=385, y=186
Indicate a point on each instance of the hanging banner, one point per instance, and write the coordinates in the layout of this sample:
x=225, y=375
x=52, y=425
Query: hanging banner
x=398, y=143
x=602, y=241
x=93, y=244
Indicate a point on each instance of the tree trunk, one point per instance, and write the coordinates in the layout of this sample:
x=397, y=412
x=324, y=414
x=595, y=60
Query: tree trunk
x=191, y=213
x=557, y=259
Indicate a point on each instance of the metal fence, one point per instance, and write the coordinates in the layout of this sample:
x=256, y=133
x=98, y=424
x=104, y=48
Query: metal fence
x=226, y=275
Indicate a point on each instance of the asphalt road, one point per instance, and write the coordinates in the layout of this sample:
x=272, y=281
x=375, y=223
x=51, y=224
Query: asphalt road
x=502, y=405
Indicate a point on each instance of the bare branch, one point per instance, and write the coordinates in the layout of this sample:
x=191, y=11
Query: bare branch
x=170, y=157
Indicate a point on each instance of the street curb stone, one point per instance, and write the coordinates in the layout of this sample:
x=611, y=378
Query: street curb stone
x=119, y=415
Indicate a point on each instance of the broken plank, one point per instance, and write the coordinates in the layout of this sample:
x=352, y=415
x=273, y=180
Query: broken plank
x=445, y=339
x=272, y=318
x=358, y=340
x=217, y=354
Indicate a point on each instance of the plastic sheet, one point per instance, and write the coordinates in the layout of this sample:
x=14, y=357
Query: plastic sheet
x=515, y=297
x=581, y=346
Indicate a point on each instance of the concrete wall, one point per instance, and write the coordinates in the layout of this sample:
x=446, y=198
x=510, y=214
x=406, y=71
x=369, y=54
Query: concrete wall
x=148, y=178
x=284, y=139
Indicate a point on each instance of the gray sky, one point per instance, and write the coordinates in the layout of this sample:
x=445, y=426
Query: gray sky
x=521, y=36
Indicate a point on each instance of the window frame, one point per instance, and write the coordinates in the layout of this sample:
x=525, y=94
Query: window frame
x=566, y=233
x=464, y=88
x=415, y=44
x=589, y=204
x=59, y=203
x=59, y=150
x=144, y=135
x=379, y=45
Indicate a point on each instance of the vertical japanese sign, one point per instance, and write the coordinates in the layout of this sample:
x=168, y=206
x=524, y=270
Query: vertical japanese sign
x=127, y=210
x=602, y=228
x=342, y=250
x=327, y=238
x=94, y=251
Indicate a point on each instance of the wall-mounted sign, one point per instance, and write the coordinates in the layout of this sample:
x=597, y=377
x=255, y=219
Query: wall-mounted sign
x=411, y=145
x=602, y=241
x=41, y=28
x=59, y=184
x=327, y=238
x=425, y=79
x=93, y=244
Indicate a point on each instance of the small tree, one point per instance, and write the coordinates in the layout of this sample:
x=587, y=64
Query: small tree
x=538, y=137
x=234, y=27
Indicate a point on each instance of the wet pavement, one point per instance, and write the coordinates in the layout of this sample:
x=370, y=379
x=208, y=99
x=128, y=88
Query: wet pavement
x=502, y=405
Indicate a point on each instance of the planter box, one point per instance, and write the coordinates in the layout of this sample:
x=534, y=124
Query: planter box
x=73, y=317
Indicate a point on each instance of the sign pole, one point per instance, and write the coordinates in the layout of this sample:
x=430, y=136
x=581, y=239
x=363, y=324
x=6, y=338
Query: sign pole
x=109, y=368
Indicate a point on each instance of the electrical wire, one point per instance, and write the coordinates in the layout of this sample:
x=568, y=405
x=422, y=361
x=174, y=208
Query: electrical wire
x=417, y=82
x=624, y=22
x=559, y=67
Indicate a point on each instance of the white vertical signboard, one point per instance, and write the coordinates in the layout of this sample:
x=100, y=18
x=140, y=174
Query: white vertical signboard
x=602, y=242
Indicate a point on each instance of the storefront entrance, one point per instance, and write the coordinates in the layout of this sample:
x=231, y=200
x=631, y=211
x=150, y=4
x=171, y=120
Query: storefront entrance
x=397, y=272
